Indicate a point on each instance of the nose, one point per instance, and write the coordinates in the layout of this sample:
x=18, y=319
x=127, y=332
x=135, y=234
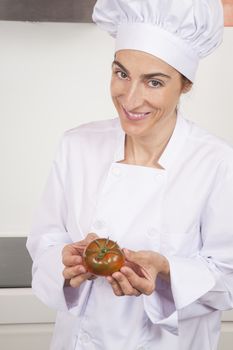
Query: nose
x=133, y=96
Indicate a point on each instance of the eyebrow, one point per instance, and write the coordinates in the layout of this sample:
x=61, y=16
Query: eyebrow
x=145, y=76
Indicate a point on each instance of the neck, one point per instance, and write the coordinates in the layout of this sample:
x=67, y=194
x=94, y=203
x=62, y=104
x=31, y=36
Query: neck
x=146, y=150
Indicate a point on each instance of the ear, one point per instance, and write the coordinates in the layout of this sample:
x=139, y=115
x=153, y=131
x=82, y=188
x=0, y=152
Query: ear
x=187, y=86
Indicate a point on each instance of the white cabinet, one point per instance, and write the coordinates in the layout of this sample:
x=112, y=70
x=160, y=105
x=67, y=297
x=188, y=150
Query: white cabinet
x=226, y=339
x=25, y=336
x=25, y=323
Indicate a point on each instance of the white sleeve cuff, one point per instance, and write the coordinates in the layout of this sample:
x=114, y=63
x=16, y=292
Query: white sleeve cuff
x=190, y=279
x=160, y=307
x=48, y=283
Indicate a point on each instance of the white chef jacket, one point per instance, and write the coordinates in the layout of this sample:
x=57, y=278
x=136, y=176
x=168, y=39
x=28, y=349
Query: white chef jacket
x=183, y=211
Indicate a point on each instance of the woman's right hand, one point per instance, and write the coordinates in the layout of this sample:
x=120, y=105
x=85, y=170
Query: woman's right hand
x=75, y=272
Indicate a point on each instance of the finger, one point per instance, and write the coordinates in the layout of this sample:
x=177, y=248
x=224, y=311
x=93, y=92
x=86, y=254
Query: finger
x=70, y=272
x=137, y=294
x=137, y=261
x=78, y=280
x=72, y=253
x=141, y=284
x=115, y=286
x=89, y=238
x=131, y=255
x=68, y=259
x=125, y=284
x=135, y=267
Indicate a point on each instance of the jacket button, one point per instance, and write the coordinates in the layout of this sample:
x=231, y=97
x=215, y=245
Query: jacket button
x=116, y=171
x=84, y=338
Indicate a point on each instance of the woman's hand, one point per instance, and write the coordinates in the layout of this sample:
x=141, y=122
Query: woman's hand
x=75, y=272
x=138, y=275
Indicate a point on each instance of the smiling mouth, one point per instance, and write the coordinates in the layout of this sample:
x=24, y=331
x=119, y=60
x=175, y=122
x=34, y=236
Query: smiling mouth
x=135, y=116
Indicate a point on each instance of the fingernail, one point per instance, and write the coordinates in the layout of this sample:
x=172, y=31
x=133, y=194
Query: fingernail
x=123, y=269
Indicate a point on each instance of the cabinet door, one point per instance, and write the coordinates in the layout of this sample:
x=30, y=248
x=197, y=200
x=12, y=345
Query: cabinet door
x=226, y=338
x=25, y=336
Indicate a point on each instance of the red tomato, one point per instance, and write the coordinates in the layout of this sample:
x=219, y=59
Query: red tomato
x=103, y=257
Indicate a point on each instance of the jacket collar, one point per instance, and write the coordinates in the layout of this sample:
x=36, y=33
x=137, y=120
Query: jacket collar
x=173, y=148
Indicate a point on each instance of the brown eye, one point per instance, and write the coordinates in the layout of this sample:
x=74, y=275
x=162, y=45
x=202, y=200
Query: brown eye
x=121, y=74
x=155, y=83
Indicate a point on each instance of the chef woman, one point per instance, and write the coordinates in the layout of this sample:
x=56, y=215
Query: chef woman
x=150, y=179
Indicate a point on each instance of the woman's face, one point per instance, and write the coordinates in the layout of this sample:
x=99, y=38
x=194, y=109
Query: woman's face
x=144, y=90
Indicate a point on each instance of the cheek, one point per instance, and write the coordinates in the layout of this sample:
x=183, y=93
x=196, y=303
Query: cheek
x=166, y=99
x=117, y=87
x=175, y=97
x=156, y=98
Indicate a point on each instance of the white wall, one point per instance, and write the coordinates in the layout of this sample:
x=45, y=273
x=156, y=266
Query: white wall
x=55, y=76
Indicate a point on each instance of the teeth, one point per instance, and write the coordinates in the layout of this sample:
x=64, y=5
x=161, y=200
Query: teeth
x=135, y=116
x=138, y=115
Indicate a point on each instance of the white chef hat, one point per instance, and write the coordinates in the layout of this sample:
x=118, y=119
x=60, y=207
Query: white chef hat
x=179, y=32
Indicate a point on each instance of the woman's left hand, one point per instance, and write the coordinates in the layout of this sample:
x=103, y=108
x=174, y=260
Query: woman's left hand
x=138, y=275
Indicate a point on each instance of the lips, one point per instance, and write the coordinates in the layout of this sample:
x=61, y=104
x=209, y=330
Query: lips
x=135, y=116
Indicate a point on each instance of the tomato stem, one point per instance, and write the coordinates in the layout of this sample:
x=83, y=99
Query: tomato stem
x=105, y=249
x=114, y=244
x=97, y=243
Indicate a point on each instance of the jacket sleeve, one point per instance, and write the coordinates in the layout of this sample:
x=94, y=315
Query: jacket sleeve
x=202, y=283
x=48, y=236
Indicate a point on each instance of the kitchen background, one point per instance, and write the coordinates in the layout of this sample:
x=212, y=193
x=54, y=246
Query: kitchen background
x=53, y=77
